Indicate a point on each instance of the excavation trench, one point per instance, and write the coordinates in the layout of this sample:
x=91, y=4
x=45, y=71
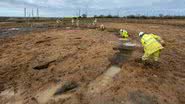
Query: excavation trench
x=100, y=84
x=103, y=82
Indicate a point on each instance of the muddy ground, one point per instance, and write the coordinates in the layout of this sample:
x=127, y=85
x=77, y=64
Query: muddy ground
x=77, y=67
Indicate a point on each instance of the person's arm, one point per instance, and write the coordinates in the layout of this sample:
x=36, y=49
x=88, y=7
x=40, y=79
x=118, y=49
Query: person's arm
x=121, y=34
x=127, y=35
x=142, y=42
x=158, y=38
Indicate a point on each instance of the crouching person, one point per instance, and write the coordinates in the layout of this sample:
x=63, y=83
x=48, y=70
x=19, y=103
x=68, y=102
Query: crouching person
x=152, y=47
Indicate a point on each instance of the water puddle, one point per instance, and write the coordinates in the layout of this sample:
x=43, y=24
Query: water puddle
x=13, y=31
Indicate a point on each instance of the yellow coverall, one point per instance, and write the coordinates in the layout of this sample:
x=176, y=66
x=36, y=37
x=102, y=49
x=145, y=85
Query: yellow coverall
x=152, y=47
x=124, y=35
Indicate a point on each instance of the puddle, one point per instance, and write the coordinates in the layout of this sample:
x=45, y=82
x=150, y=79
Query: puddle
x=14, y=31
x=4, y=32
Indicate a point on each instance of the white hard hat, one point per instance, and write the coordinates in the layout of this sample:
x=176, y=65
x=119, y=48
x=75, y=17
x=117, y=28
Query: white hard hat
x=121, y=30
x=141, y=33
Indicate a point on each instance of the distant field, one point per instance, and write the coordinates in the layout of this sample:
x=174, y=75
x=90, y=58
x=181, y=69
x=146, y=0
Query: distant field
x=86, y=21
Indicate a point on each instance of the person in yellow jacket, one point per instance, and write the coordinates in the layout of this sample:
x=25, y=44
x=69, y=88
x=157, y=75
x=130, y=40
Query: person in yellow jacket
x=124, y=34
x=152, y=46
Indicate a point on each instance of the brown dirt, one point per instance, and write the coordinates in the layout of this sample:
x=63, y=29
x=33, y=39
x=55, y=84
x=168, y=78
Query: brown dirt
x=34, y=66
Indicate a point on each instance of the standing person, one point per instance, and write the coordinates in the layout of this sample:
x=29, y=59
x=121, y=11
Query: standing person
x=102, y=27
x=58, y=23
x=72, y=21
x=152, y=46
x=77, y=22
x=95, y=21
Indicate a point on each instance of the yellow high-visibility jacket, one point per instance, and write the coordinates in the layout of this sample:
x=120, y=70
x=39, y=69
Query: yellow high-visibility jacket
x=151, y=43
x=124, y=35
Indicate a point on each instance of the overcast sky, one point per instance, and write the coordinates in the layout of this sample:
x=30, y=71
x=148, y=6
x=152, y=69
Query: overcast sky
x=60, y=8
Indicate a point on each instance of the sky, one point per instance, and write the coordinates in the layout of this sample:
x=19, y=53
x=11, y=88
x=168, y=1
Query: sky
x=66, y=8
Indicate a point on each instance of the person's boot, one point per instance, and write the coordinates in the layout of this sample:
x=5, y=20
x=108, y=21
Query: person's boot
x=138, y=60
x=156, y=64
x=147, y=64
